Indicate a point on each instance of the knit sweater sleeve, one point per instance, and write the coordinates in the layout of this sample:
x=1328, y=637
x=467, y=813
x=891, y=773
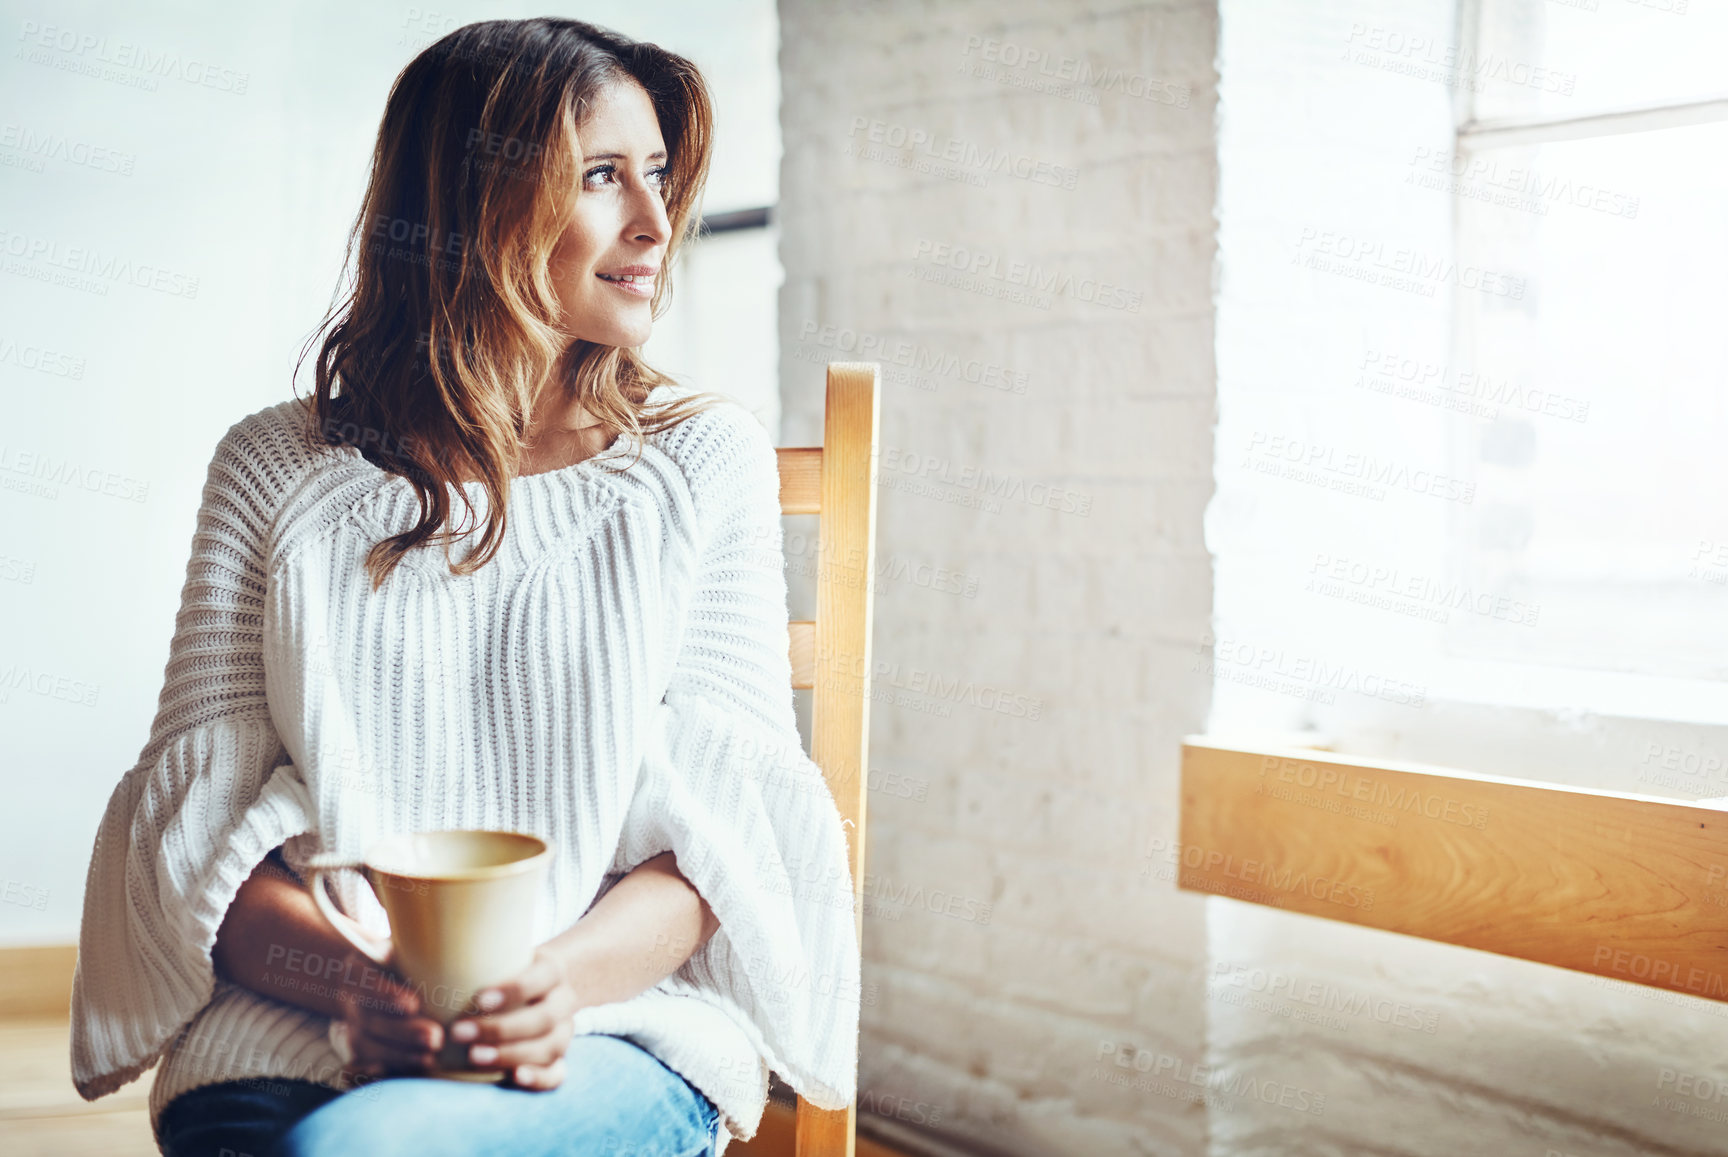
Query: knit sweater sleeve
x=212, y=793
x=727, y=786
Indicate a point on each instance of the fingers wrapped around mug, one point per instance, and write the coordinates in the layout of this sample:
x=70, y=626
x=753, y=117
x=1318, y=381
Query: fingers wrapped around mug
x=386, y=1032
x=527, y=1031
x=536, y=1035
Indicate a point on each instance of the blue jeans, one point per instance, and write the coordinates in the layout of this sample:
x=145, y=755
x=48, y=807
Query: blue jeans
x=617, y=1100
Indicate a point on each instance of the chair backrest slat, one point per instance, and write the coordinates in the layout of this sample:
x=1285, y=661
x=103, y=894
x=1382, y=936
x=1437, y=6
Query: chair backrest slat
x=803, y=633
x=837, y=482
x=800, y=479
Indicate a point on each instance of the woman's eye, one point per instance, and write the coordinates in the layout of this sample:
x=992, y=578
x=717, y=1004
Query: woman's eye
x=655, y=177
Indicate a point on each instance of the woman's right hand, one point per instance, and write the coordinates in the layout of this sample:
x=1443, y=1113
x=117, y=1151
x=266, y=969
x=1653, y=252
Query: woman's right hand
x=270, y=937
x=386, y=1030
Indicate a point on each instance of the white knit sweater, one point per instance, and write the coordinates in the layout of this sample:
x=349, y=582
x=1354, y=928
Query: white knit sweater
x=615, y=680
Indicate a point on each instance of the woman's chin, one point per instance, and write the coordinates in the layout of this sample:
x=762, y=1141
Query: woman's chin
x=626, y=334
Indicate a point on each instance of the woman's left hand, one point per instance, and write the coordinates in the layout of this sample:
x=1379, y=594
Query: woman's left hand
x=524, y=1026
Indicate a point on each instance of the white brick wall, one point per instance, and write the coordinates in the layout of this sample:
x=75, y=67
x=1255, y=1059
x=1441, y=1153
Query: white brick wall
x=996, y=1029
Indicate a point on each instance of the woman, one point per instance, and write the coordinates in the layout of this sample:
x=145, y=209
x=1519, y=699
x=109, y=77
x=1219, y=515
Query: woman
x=604, y=666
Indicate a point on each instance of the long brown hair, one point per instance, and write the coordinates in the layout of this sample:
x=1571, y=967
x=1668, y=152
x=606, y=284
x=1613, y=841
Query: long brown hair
x=446, y=330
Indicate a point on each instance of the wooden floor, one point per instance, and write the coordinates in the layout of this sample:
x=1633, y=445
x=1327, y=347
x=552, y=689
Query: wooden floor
x=42, y=1115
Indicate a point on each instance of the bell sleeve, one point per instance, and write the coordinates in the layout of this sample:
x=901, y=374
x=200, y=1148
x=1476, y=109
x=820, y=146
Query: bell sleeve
x=725, y=784
x=212, y=792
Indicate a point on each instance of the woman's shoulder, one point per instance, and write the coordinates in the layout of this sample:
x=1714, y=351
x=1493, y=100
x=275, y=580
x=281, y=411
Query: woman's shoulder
x=265, y=457
x=720, y=448
x=280, y=438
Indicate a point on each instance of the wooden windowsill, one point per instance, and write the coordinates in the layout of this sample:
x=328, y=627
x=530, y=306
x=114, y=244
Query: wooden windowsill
x=1626, y=886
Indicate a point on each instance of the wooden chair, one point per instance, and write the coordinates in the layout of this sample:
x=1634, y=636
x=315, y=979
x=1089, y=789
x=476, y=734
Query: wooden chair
x=835, y=481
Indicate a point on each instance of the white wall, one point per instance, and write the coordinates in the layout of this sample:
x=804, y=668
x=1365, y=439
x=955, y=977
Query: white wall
x=722, y=330
x=894, y=114
x=224, y=182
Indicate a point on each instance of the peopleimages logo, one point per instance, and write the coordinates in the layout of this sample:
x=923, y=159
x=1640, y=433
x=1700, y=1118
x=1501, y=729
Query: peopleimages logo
x=416, y=235
x=914, y=356
x=985, y=483
x=1400, y=267
x=1474, y=392
x=997, y=276
x=1322, y=996
x=1670, y=765
x=887, y=673
x=1263, y=874
x=1268, y=665
x=1481, y=177
x=49, y=253
x=24, y=895
x=48, y=684
x=1420, y=55
x=45, y=467
x=1381, y=585
x=1354, y=785
x=1155, y=1065
x=42, y=146
x=40, y=359
x=968, y=154
x=87, y=53
x=1655, y=970
x=1349, y=471
x=1075, y=71
x=937, y=901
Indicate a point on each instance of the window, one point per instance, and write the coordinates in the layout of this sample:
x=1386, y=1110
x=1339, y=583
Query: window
x=1592, y=170
x=1472, y=420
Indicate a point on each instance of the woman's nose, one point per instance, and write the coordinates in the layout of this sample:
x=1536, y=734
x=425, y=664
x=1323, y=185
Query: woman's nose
x=648, y=222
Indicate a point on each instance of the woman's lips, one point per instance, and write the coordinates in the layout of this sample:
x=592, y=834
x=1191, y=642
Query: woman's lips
x=635, y=284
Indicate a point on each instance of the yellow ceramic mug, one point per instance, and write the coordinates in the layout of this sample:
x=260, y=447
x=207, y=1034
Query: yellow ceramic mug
x=461, y=909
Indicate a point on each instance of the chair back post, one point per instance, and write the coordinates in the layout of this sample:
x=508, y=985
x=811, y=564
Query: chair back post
x=840, y=715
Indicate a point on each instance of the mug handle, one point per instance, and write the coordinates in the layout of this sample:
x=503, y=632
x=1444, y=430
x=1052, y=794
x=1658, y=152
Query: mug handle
x=346, y=926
